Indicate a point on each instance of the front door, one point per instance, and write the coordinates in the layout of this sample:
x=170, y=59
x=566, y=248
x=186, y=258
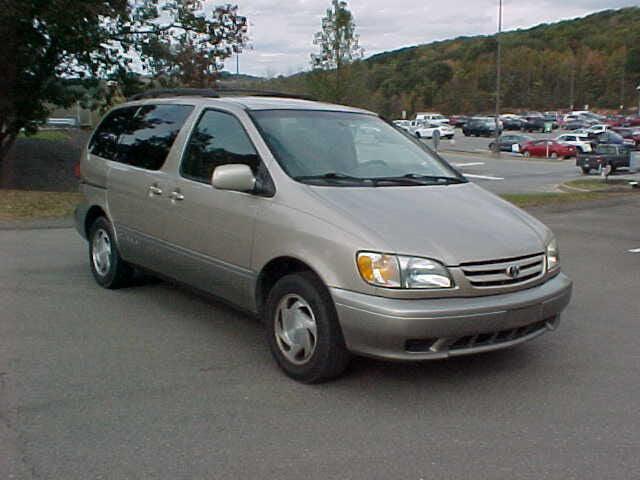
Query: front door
x=210, y=230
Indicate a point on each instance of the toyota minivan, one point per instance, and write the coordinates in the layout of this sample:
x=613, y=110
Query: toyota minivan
x=342, y=233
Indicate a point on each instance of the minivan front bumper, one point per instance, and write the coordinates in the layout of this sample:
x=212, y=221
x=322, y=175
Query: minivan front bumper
x=398, y=329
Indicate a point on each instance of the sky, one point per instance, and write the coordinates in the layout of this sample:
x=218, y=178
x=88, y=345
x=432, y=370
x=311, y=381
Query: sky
x=281, y=31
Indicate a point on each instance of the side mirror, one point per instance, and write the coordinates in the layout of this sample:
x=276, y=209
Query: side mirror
x=236, y=177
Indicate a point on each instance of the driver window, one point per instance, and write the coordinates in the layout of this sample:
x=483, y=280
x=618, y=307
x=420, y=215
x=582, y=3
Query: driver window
x=217, y=139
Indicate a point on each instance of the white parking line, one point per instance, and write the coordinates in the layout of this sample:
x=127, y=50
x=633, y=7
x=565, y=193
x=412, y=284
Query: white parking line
x=634, y=250
x=482, y=177
x=470, y=164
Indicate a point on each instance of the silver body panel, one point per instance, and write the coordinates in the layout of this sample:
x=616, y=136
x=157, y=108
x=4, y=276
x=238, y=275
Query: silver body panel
x=220, y=241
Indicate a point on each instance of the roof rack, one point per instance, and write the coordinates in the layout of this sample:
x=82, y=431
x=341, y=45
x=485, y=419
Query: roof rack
x=213, y=93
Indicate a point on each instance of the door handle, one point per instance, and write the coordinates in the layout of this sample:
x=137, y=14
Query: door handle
x=153, y=190
x=176, y=196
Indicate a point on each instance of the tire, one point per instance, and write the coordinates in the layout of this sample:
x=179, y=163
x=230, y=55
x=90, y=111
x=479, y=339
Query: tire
x=418, y=135
x=526, y=153
x=553, y=156
x=585, y=170
x=491, y=146
x=305, y=294
x=107, y=266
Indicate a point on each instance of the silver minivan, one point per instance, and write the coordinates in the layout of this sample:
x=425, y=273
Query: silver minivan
x=341, y=232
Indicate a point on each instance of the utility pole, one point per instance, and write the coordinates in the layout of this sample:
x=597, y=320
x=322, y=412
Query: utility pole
x=573, y=81
x=237, y=63
x=496, y=146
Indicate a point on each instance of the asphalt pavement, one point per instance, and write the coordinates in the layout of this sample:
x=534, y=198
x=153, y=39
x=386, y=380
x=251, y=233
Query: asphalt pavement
x=154, y=381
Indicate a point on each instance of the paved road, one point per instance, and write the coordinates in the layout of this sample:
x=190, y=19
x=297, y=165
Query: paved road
x=155, y=382
x=509, y=174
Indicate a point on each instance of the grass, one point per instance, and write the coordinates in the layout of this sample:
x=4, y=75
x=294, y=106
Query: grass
x=25, y=205
x=541, y=199
x=595, y=185
x=49, y=135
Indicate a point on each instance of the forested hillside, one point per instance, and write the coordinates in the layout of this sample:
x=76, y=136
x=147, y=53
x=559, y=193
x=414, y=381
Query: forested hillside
x=593, y=60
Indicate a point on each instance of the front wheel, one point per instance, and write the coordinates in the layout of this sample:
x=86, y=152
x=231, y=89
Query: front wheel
x=527, y=153
x=418, y=135
x=585, y=170
x=554, y=156
x=303, y=329
x=108, y=268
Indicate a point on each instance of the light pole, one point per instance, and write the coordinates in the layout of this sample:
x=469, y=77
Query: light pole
x=496, y=143
x=638, y=88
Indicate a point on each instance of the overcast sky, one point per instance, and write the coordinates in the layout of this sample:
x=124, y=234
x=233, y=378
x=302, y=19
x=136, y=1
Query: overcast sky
x=282, y=31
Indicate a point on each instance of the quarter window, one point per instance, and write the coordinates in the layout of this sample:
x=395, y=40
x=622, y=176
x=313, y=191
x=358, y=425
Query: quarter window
x=104, y=142
x=218, y=139
x=148, y=138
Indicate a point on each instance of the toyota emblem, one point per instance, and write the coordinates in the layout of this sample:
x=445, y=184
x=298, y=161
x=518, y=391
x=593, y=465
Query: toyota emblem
x=513, y=271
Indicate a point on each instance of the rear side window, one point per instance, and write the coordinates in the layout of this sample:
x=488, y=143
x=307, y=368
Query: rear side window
x=218, y=139
x=147, y=139
x=104, y=142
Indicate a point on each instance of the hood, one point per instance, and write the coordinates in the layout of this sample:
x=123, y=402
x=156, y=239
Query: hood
x=453, y=224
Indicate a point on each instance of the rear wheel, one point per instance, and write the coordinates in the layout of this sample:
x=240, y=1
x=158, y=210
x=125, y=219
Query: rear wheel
x=418, y=135
x=108, y=268
x=585, y=170
x=554, y=155
x=303, y=329
x=527, y=153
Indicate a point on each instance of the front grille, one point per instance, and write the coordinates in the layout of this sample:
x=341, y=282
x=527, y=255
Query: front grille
x=478, y=340
x=483, y=339
x=501, y=273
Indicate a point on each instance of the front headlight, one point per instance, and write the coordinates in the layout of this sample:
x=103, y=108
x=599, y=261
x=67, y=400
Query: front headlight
x=393, y=271
x=553, y=255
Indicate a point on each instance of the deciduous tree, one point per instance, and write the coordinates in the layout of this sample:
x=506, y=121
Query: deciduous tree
x=45, y=42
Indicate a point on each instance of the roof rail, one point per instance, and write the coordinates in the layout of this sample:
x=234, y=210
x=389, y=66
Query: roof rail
x=175, y=92
x=214, y=93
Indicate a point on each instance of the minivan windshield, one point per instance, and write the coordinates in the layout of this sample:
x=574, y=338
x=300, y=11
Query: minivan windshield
x=347, y=149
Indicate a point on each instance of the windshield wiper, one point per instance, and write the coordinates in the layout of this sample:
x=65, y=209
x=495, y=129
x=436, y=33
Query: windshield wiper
x=417, y=179
x=332, y=176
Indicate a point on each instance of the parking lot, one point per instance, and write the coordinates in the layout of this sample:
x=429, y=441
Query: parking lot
x=154, y=381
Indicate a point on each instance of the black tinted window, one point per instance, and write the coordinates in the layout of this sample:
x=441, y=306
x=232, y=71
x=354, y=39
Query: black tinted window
x=105, y=139
x=146, y=141
x=218, y=139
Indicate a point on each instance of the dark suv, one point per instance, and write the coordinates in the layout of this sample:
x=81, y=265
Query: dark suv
x=480, y=127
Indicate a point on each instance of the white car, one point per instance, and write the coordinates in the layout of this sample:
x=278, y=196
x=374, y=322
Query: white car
x=403, y=124
x=426, y=130
x=432, y=118
x=599, y=128
x=581, y=142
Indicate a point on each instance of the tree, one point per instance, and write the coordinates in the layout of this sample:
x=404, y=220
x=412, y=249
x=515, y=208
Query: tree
x=46, y=42
x=339, y=46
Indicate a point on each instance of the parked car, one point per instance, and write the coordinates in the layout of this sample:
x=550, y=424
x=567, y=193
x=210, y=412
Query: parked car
x=403, y=124
x=511, y=122
x=614, y=156
x=510, y=142
x=632, y=121
x=630, y=135
x=458, y=121
x=480, y=127
x=574, y=125
x=598, y=128
x=425, y=130
x=610, y=137
x=534, y=124
x=581, y=142
x=551, y=117
x=548, y=149
x=340, y=241
x=432, y=118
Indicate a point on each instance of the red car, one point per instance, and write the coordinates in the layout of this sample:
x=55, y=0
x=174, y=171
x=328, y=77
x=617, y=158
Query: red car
x=547, y=149
x=633, y=121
